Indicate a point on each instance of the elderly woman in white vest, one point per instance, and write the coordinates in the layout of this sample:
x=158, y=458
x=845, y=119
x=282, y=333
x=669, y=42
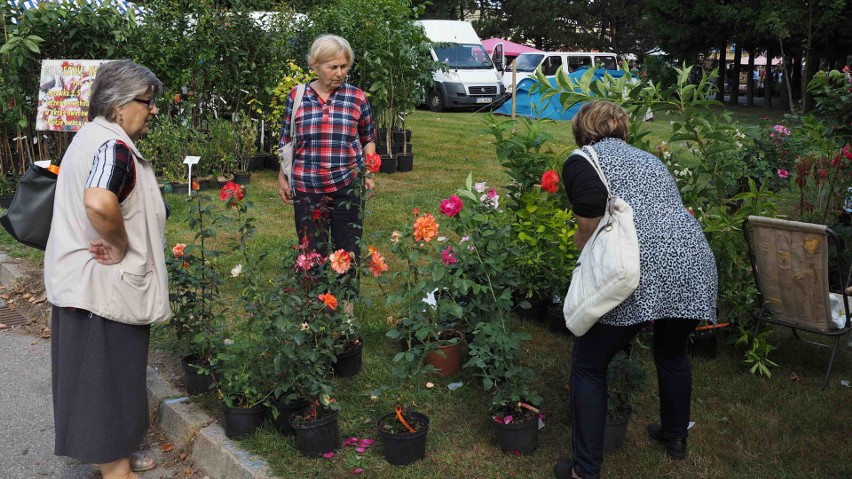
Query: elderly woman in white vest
x=105, y=274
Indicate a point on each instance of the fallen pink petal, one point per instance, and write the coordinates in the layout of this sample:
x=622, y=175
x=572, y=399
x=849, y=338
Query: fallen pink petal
x=357, y=470
x=360, y=449
x=328, y=455
x=507, y=419
x=367, y=442
x=351, y=440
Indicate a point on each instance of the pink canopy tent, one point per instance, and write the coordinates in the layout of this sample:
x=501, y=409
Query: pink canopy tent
x=510, y=49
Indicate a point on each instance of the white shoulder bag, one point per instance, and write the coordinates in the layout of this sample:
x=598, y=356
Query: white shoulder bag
x=286, y=151
x=607, y=271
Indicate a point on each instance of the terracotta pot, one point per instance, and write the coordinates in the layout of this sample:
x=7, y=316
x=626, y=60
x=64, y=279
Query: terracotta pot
x=448, y=357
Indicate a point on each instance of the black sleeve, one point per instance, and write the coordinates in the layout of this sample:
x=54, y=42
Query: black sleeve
x=585, y=190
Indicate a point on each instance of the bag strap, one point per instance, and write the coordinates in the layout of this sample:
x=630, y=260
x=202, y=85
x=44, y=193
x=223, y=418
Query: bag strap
x=592, y=158
x=297, y=102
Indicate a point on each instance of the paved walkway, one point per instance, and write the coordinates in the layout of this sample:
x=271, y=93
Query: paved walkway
x=26, y=413
x=26, y=418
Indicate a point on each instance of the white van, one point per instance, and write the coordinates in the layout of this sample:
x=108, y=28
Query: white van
x=470, y=78
x=550, y=63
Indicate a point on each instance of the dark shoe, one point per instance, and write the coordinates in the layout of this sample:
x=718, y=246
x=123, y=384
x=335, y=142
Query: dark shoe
x=675, y=448
x=565, y=470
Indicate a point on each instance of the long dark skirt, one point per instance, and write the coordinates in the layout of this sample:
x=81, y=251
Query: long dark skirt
x=100, y=401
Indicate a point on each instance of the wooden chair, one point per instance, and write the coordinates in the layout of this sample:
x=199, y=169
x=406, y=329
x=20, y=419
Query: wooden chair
x=790, y=264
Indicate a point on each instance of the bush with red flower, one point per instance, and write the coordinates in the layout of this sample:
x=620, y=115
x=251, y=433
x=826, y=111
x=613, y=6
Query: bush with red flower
x=478, y=269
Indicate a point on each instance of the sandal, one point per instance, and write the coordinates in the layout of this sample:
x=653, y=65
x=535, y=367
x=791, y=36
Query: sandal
x=139, y=462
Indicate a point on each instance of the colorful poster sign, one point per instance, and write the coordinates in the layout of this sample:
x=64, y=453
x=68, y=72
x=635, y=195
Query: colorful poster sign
x=63, y=96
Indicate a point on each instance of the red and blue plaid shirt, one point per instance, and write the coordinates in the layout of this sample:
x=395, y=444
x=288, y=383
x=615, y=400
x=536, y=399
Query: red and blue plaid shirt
x=330, y=138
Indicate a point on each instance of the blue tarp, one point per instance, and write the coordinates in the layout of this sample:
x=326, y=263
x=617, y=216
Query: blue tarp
x=531, y=105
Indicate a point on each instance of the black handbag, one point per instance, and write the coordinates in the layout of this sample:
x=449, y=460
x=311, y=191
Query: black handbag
x=28, y=217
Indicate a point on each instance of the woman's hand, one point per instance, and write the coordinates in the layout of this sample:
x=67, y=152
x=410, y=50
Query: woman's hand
x=284, y=190
x=106, y=253
x=370, y=185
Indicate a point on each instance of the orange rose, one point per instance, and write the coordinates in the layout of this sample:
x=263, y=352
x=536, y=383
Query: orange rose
x=329, y=300
x=340, y=260
x=377, y=264
x=425, y=228
x=178, y=250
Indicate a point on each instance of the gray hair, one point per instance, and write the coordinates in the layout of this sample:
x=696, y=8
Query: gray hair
x=327, y=47
x=117, y=83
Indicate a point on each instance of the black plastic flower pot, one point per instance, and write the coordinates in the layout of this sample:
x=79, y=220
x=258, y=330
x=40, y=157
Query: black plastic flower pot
x=703, y=344
x=536, y=312
x=403, y=449
x=195, y=382
x=405, y=162
x=317, y=437
x=556, y=320
x=520, y=437
x=270, y=162
x=180, y=188
x=242, y=177
x=349, y=362
x=285, y=411
x=389, y=164
x=615, y=432
x=241, y=422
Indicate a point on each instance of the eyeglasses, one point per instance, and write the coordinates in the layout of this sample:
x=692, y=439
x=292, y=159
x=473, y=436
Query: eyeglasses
x=149, y=103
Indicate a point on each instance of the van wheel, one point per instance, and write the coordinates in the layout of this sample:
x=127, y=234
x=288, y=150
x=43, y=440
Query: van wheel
x=436, y=104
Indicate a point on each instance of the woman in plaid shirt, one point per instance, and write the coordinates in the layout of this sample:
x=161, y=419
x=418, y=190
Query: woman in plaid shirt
x=334, y=135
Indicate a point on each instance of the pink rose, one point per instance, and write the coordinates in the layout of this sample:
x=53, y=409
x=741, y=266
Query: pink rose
x=451, y=206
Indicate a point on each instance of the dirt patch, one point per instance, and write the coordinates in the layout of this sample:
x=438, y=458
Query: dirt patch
x=167, y=365
x=27, y=298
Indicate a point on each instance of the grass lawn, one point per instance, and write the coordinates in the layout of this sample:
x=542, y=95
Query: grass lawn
x=746, y=426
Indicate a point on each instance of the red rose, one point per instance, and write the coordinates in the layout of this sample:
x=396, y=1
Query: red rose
x=373, y=162
x=550, y=181
x=231, y=189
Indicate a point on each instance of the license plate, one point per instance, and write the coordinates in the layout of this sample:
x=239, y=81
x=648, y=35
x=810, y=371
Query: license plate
x=483, y=100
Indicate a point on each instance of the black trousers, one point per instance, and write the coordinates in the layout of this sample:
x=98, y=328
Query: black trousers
x=330, y=221
x=591, y=356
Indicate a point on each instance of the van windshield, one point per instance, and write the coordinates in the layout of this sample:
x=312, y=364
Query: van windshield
x=528, y=63
x=463, y=56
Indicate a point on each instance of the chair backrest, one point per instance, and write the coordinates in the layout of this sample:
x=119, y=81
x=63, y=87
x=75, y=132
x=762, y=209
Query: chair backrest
x=790, y=262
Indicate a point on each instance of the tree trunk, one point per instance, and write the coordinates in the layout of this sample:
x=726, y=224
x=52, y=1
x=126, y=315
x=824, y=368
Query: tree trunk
x=796, y=79
x=767, y=78
x=722, y=81
x=735, y=84
x=750, y=78
x=785, y=71
x=810, y=63
x=811, y=68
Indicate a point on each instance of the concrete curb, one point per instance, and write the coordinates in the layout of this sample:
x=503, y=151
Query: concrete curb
x=185, y=424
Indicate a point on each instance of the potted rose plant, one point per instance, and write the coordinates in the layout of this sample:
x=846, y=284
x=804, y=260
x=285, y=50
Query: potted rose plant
x=244, y=359
x=481, y=260
x=194, y=293
x=429, y=316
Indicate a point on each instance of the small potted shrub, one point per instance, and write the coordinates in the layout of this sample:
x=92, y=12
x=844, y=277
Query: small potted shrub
x=625, y=377
x=221, y=141
x=246, y=150
x=514, y=410
x=8, y=185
